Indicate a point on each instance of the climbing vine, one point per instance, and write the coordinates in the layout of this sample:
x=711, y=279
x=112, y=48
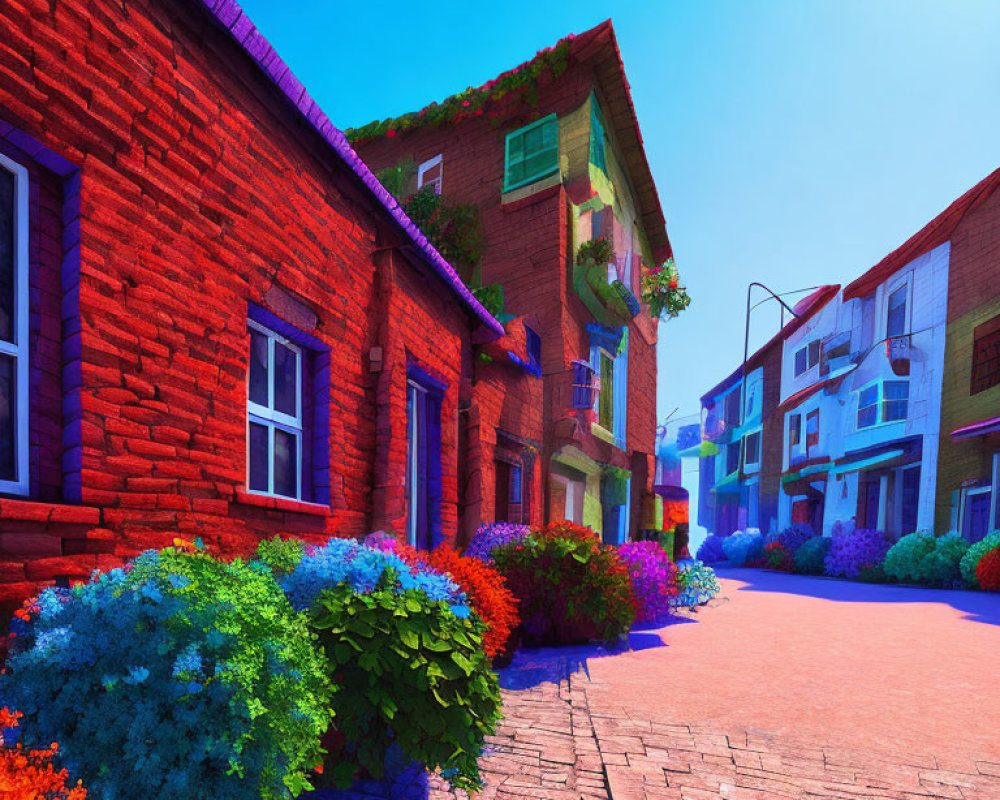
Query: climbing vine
x=518, y=85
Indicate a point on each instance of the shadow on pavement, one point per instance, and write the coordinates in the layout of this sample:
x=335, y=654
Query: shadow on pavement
x=533, y=666
x=976, y=606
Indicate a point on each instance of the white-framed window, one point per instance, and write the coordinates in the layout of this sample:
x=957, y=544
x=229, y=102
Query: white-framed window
x=891, y=396
x=274, y=414
x=429, y=173
x=896, y=307
x=14, y=297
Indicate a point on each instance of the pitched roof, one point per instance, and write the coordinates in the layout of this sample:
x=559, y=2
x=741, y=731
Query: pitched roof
x=234, y=20
x=935, y=233
x=598, y=48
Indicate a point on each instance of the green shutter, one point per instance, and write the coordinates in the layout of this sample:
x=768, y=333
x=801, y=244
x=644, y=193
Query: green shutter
x=532, y=152
x=597, y=157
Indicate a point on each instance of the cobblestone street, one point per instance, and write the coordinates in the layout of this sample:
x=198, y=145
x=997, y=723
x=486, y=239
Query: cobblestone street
x=591, y=731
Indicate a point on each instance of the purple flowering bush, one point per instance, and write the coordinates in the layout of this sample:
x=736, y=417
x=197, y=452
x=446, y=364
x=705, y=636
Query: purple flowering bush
x=849, y=553
x=494, y=535
x=792, y=538
x=653, y=576
x=710, y=551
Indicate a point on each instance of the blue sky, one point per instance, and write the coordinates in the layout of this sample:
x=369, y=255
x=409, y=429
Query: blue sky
x=793, y=143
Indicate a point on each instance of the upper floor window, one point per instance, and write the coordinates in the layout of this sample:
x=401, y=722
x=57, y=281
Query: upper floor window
x=13, y=327
x=794, y=433
x=533, y=344
x=732, y=409
x=532, y=152
x=891, y=396
x=429, y=174
x=812, y=430
x=752, y=452
x=896, y=313
x=986, y=356
x=274, y=414
x=597, y=155
x=732, y=457
x=806, y=357
x=605, y=403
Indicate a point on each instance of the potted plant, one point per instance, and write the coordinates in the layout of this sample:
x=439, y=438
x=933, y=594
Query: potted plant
x=662, y=292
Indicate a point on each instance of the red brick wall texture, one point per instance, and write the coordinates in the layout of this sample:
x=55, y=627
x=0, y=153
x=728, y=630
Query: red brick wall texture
x=200, y=191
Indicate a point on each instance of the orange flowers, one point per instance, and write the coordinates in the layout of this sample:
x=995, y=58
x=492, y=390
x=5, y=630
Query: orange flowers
x=29, y=775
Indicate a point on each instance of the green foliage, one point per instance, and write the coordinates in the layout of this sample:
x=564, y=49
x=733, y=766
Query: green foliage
x=279, y=555
x=182, y=673
x=596, y=251
x=942, y=566
x=412, y=673
x=662, y=292
x=396, y=178
x=905, y=558
x=809, y=558
x=454, y=230
x=518, y=86
x=972, y=556
x=491, y=297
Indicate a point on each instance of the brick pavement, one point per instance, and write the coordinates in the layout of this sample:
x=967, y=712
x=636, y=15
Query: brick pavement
x=575, y=737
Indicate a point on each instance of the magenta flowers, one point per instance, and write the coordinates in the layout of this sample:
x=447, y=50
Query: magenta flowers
x=653, y=576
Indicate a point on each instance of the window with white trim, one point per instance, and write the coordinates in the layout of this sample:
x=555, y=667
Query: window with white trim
x=868, y=407
x=806, y=357
x=14, y=292
x=895, y=318
x=429, y=174
x=274, y=414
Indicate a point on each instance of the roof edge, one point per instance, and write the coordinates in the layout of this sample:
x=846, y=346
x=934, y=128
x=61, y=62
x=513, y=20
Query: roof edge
x=231, y=16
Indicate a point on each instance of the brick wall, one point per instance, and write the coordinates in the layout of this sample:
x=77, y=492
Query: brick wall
x=200, y=191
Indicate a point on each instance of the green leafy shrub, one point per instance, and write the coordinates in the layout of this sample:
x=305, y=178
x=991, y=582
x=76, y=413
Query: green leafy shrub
x=413, y=673
x=811, y=555
x=970, y=561
x=491, y=298
x=597, y=251
x=175, y=674
x=454, y=230
x=904, y=560
x=279, y=555
x=570, y=587
x=942, y=567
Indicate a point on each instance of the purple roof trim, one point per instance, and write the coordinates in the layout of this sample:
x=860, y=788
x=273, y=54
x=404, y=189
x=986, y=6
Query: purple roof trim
x=977, y=429
x=254, y=44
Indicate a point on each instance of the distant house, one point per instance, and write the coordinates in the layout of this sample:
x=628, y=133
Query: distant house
x=550, y=157
x=214, y=322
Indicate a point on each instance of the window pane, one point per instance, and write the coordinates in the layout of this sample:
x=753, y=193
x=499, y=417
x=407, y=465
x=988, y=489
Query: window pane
x=550, y=133
x=515, y=484
x=8, y=405
x=869, y=396
x=605, y=408
x=867, y=417
x=286, y=463
x=258, y=457
x=896, y=390
x=893, y=410
x=800, y=361
x=896, y=325
x=7, y=221
x=258, y=368
x=813, y=353
x=285, y=380
x=794, y=429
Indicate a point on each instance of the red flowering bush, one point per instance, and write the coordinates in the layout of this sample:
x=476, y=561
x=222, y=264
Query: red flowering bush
x=777, y=557
x=487, y=592
x=988, y=571
x=570, y=587
x=29, y=774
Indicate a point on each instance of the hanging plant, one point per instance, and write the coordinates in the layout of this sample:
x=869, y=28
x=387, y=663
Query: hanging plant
x=662, y=292
x=454, y=230
x=596, y=251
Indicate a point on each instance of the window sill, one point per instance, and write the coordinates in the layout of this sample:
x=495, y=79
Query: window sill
x=529, y=189
x=33, y=511
x=281, y=503
x=602, y=433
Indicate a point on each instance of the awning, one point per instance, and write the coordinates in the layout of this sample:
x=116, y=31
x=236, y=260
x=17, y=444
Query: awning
x=977, y=429
x=865, y=463
x=833, y=379
x=728, y=485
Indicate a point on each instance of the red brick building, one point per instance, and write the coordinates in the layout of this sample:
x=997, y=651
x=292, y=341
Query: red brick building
x=214, y=321
x=551, y=156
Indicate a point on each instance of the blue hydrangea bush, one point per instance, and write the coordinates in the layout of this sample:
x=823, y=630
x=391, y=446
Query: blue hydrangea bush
x=811, y=555
x=696, y=584
x=175, y=674
x=742, y=547
x=711, y=550
x=408, y=656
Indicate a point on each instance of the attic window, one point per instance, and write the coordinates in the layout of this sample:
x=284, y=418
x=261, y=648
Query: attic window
x=532, y=153
x=429, y=174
